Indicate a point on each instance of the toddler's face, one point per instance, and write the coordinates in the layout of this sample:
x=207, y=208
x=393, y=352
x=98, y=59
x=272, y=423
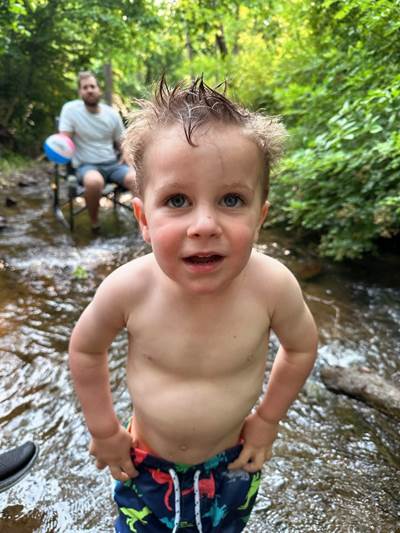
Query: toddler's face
x=202, y=206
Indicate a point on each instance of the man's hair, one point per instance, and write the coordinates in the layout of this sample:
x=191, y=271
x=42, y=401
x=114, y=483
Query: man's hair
x=193, y=106
x=83, y=75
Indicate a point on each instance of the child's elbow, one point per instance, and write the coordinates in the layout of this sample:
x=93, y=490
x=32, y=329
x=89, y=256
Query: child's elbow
x=75, y=348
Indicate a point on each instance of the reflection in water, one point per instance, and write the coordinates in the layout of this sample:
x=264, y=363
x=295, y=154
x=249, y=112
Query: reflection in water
x=335, y=464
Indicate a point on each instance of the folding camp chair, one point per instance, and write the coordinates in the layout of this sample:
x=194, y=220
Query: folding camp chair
x=72, y=200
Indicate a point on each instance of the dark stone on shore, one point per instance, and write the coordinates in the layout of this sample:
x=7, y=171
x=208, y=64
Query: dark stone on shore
x=10, y=202
x=364, y=385
x=26, y=183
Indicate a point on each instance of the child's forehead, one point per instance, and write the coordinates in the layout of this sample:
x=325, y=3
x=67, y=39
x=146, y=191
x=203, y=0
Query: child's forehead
x=221, y=155
x=207, y=137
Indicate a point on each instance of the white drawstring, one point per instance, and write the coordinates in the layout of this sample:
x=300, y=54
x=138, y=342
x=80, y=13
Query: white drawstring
x=177, y=492
x=197, y=501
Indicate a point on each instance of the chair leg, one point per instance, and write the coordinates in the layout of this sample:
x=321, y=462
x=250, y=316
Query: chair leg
x=56, y=197
x=71, y=216
x=75, y=191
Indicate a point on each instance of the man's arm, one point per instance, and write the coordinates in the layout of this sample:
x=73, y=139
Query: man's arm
x=68, y=133
x=119, y=130
x=295, y=328
x=88, y=358
x=65, y=122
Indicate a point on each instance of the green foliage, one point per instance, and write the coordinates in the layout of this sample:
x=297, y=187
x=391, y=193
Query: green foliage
x=341, y=179
x=11, y=162
x=43, y=44
x=80, y=272
x=329, y=67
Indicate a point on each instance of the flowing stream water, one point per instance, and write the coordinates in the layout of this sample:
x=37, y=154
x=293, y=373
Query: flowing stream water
x=336, y=462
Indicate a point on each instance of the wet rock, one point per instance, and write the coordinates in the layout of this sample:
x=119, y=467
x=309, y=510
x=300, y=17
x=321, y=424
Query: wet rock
x=364, y=385
x=10, y=202
x=3, y=222
x=306, y=270
x=26, y=183
x=396, y=378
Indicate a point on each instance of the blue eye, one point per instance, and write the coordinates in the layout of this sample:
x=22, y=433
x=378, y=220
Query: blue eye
x=177, y=201
x=232, y=200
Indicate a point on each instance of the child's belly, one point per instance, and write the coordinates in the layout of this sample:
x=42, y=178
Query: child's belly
x=189, y=421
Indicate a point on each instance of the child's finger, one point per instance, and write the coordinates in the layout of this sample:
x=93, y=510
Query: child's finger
x=253, y=466
x=128, y=467
x=268, y=455
x=118, y=474
x=257, y=461
x=242, y=460
x=100, y=464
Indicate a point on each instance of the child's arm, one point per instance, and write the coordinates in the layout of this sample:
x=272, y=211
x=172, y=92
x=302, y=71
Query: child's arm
x=91, y=337
x=293, y=324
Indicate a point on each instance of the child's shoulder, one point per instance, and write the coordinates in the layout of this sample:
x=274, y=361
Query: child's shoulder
x=270, y=268
x=132, y=277
x=272, y=279
x=275, y=283
x=143, y=264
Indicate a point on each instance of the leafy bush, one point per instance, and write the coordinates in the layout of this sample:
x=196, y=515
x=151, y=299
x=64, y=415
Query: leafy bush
x=341, y=179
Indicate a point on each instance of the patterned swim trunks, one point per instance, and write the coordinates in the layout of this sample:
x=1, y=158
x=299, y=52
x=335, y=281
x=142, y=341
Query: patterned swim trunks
x=169, y=497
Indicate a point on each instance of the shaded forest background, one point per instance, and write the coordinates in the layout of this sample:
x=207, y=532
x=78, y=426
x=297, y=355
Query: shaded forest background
x=329, y=67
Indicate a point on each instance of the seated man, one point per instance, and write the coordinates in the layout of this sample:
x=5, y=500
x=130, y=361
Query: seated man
x=96, y=129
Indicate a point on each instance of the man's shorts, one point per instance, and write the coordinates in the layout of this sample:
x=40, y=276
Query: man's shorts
x=168, y=497
x=112, y=171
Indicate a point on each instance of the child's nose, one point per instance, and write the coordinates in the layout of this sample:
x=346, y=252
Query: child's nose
x=204, y=224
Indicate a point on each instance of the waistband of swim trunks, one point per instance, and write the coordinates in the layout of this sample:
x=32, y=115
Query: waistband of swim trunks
x=220, y=460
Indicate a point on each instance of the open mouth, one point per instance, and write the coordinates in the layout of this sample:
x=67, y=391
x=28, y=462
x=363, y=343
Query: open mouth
x=203, y=259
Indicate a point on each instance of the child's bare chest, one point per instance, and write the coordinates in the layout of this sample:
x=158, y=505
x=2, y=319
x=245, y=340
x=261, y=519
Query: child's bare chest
x=204, y=343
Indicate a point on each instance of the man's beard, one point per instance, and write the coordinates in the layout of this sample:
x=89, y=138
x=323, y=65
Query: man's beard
x=92, y=101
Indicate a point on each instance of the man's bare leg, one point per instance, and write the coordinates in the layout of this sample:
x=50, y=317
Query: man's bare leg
x=94, y=184
x=130, y=180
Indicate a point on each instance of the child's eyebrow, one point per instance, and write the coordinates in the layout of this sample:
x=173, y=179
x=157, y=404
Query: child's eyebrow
x=168, y=186
x=237, y=186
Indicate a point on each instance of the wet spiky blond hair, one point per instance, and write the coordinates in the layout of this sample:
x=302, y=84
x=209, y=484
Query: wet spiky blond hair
x=193, y=106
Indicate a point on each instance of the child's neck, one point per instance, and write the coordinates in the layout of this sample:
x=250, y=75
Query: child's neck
x=205, y=299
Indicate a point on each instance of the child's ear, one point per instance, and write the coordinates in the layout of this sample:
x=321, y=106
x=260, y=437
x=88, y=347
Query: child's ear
x=262, y=217
x=138, y=209
x=264, y=212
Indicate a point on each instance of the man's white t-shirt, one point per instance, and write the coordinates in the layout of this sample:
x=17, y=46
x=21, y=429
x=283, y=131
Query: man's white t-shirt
x=94, y=134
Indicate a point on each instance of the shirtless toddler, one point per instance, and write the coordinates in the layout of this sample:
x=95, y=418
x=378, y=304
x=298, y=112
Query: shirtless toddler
x=198, y=311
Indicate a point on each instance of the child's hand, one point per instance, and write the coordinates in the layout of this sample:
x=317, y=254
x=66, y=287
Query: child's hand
x=114, y=452
x=258, y=437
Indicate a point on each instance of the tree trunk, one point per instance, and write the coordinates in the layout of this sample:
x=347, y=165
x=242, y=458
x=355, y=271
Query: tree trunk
x=107, y=69
x=220, y=41
x=189, y=50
